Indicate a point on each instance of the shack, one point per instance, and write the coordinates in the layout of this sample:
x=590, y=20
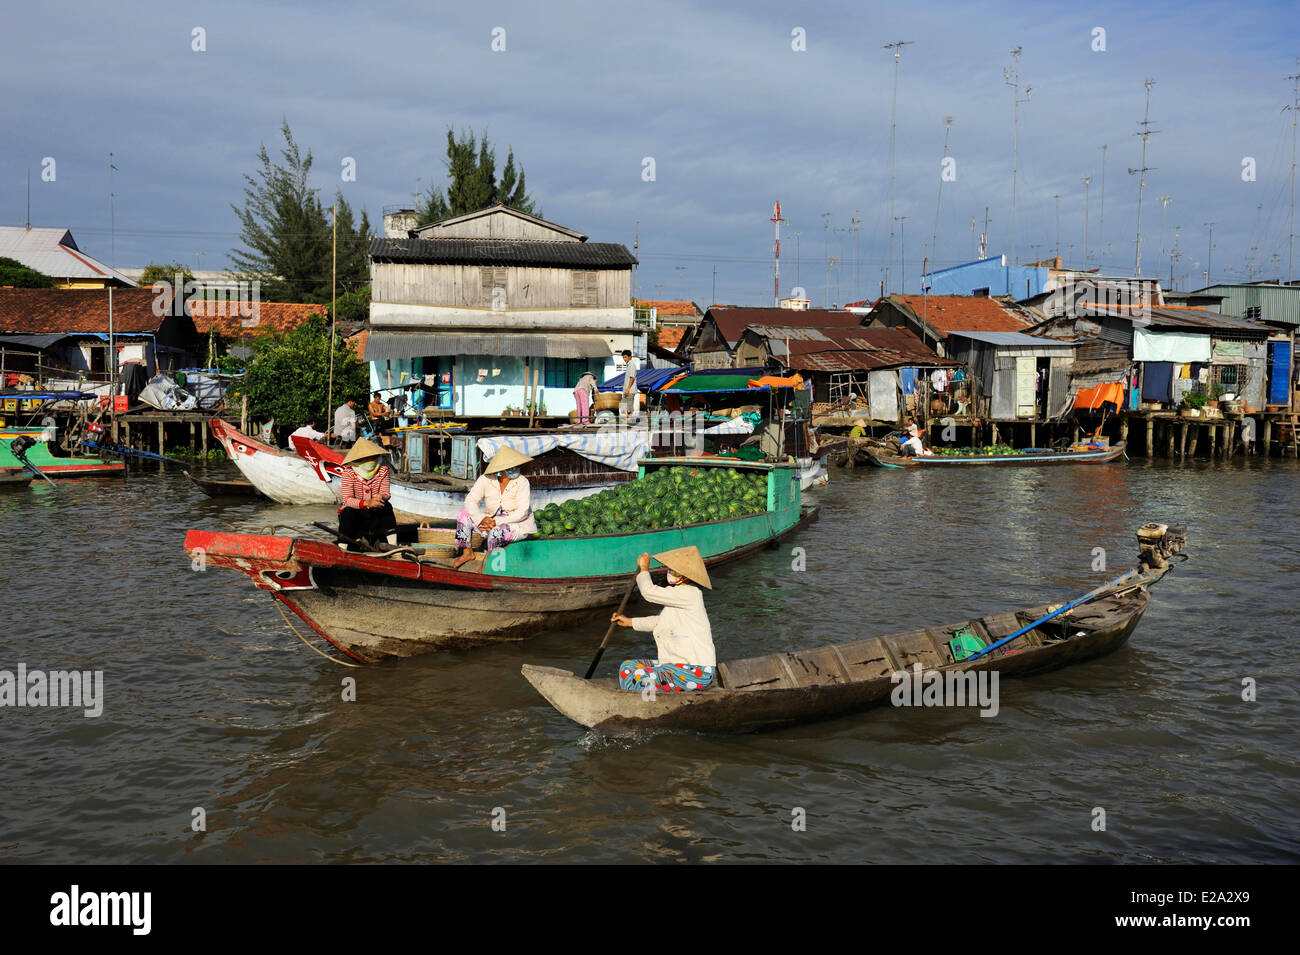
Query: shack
x=1015, y=376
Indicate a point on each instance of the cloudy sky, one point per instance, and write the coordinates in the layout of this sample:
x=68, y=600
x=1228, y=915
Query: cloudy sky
x=732, y=115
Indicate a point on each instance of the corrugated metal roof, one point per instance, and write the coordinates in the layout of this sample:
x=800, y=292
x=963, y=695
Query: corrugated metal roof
x=1276, y=303
x=845, y=349
x=1018, y=339
x=385, y=345
x=54, y=252
x=732, y=321
x=1194, y=319
x=444, y=251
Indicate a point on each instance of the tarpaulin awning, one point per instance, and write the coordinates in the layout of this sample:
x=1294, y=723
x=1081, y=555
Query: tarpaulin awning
x=619, y=449
x=737, y=425
x=714, y=381
x=39, y=342
x=1170, y=346
x=1091, y=399
x=383, y=345
x=647, y=379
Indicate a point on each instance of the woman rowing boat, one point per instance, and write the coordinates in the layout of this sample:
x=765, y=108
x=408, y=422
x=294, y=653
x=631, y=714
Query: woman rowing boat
x=681, y=631
x=498, y=505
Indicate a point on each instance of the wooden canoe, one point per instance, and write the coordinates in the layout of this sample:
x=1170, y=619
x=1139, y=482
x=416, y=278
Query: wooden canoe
x=224, y=488
x=884, y=458
x=374, y=607
x=796, y=687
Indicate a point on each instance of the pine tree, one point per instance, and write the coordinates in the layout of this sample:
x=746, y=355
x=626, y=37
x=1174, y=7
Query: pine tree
x=472, y=181
x=288, y=235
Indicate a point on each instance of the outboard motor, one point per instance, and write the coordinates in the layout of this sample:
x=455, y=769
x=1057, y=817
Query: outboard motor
x=1158, y=542
x=20, y=446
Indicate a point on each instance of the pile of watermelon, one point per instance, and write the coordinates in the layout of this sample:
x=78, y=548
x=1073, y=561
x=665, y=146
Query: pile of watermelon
x=667, y=497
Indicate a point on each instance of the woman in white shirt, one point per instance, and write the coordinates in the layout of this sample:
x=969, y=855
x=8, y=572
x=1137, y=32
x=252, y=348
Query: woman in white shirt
x=498, y=506
x=682, y=635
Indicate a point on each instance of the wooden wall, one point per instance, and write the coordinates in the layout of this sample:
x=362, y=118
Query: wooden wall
x=470, y=286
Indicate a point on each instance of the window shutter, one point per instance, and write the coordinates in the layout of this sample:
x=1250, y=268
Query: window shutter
x=585, y=289
x=488, y=280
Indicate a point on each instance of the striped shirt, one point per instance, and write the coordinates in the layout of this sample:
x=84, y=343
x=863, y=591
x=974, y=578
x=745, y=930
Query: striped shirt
x=356, y=491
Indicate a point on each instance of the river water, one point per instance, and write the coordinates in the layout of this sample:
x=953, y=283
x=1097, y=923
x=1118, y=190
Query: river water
x=210, y=702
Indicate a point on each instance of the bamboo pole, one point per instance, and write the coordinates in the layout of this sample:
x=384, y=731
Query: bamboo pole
x=334, y=263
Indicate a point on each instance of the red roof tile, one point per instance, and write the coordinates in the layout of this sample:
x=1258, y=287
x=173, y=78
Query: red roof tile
x=961, y=313
x=78, y=311
x=670, y=338
x=672, y=308
x=229, y=322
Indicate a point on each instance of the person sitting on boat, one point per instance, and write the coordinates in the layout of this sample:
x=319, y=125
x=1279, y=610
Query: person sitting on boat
x=377, y=410
x=366, y=515
x=683, y=637
x=498, y=506
x=912, y=446
x=308, y=431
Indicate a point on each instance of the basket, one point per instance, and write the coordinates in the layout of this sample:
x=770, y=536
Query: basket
x=444, y=536
x=607, y=401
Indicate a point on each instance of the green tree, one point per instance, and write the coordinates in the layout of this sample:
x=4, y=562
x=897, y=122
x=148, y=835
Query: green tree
x=13, y=272
x=472, y=182
x=157, y=272
x=288, y=235
x=353, y=306
x=288, y=376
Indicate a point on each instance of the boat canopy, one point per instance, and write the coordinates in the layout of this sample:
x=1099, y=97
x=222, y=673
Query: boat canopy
x=715, y=381
x=1090, y=399
x=647, y=379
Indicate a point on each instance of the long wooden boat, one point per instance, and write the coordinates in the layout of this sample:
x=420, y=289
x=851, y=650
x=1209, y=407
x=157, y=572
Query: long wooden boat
x=280, y=475
x=434, y=499
x=796, y=687
x=223, y=488
x=40, y=457
x=373, y=607
x=15, y=482
x=885, y=458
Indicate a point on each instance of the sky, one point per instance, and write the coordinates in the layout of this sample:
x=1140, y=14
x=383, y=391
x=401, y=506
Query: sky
x=730, y=107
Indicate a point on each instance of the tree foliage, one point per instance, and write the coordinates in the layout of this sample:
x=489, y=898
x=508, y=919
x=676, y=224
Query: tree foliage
x=472, y=182
x=288, y=376
x=158, y=272
x=13, y=272
x=354, y=306
x=288, y=234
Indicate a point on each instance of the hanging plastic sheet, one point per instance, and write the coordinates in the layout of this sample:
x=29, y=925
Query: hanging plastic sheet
x=1157, y=377
x=908, y=378
x=1151, y=346
x=882, y=395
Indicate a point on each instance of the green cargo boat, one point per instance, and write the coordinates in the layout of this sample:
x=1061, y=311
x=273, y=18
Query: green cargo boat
x=373, y=607
x=40, y=457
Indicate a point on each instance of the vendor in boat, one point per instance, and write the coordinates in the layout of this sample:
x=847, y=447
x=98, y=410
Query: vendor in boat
x=911, y=444
x=498, y=506
x=584, y=396
x=683, y=638
x=366, y=515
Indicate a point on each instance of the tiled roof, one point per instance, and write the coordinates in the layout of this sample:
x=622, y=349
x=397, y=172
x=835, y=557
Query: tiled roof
x=670, y=338
x=961, y=313
x=357, y=343
x=671, y=308
x=225, y=317
x=54, y=252
x=491, y=252
x=77, y=311
x=732, y=322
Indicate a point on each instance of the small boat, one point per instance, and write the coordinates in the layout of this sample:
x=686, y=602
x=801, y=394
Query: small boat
x=280, y=475
x=782, y=689
x=884, y=457
x=441, y=497
x=40, y=457
x=16, y=481
x=373, y=607
x=223, y=488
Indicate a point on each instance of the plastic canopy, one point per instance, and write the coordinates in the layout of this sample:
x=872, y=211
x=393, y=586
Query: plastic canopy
x=1090, y=399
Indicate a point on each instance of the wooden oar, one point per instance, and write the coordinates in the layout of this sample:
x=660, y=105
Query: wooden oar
x=610, y=632
x=1091, y=595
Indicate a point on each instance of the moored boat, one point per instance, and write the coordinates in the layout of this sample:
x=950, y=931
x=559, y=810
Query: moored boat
x=884, y=457
x=373, y=607
x=223, y=488
x=280, y=475
x=803, y=686
x=40, y=457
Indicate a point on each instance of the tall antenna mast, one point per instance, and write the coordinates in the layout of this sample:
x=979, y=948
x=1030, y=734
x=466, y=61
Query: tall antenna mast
x=1057, y=197
x=1011, y=76
x=29, y=198
x=776, y=256
x=855, y=223
x=984, y=236
x=1087, y=181
x=112, y=347
x=896, y=49
x=934, y=239
x=1101, y=226
x=1165, y=199
x=1209, y=257
x=826, y=231
x=1295, y=111
x=1141, y=172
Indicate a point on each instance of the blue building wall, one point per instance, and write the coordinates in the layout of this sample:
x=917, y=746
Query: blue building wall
x=1018, y=281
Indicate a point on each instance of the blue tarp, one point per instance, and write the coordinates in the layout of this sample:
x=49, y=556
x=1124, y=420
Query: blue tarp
x=647, y=379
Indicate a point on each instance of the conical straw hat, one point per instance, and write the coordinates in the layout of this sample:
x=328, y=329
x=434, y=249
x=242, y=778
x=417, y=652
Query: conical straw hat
x=687, y=562
x=365, y=448
x=506, y=458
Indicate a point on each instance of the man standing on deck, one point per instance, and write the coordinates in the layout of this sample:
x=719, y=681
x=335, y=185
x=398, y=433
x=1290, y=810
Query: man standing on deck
x=628, y=404
x=345, y=421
